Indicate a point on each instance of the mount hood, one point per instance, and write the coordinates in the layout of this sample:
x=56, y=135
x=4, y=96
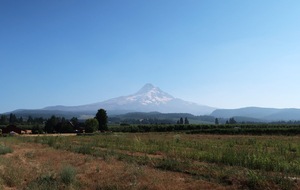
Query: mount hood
x=149, y=98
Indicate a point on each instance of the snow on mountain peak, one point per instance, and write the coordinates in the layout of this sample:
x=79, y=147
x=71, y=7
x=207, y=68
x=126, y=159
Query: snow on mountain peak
x=147, y=87
x=149, y=98
x=150, y=94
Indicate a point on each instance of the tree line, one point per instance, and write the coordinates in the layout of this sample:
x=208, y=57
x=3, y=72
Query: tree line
x=56, y=124
x=13, y=119
x=61, y=125
x=180, y=121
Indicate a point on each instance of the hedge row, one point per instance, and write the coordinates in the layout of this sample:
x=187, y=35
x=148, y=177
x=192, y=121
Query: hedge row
x=255, y=129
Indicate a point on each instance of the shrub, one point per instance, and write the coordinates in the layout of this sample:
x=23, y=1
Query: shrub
x=67, y=175
x=5, y=149
x=46, y=182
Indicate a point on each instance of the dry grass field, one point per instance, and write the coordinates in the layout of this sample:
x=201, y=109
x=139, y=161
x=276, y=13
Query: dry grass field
x=150, y=161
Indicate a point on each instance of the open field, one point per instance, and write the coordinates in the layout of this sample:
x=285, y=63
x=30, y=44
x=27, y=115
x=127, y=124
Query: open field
x=151, y=161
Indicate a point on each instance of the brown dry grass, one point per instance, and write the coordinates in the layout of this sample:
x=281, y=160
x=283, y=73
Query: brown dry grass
x=29, y=161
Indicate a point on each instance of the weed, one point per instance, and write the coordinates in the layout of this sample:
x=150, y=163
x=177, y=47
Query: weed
x=50, y=141
x=84, y=149
x=169, y=164
x=285, y=183
x=5, y=149
x=177, y=138
x=12, y=175
x=46, y=182
x=67, y=175
x=30, y=155
x=255, y=180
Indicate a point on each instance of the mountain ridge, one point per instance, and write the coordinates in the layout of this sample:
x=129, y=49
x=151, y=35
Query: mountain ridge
x=149, y=98
x=152, y=99
x=264, y=114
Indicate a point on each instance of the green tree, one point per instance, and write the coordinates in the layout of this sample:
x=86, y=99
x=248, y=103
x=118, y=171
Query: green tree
x=20, y=120
x=66, y=127
x=37, y=129
x=12, y=118
x=102, y=118
x=181, y=121
x=232, y=121
x=30, y=120
x=74, y=121
x=216, y=121
x=186, y=121
x=3, y=120
x=51, y=124
x=91, y=125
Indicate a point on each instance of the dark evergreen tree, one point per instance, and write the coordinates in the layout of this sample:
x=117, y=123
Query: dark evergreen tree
x=74, y=121
x=39, y=120
x=12, y=118
x=20, y=120
x=216, y=121
x=51, y=124
x=37, y=129
x=181, y=121
x=232, y=121
x=30, y=120
x=186, y=121
x=3, y=120
x=102, y=119
x=66, y=127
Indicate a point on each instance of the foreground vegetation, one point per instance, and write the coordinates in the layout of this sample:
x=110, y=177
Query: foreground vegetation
x=39, y=166
x=241, y=162
x=229, y=129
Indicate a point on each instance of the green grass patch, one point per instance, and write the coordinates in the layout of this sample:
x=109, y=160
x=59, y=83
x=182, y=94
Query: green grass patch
x=258, y=161
x=67, y=175
x=5, y=149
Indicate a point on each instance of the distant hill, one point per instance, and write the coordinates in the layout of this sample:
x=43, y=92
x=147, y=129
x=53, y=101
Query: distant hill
x=166, y=117
x=152, y=101
x=48, y=113
x=261, y=114
x=148, y=99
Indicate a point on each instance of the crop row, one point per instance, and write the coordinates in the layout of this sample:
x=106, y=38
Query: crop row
x=253, y=129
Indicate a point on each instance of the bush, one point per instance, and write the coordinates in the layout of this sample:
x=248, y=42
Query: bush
x=46, y=182
x=5, y=149
x=67, y=175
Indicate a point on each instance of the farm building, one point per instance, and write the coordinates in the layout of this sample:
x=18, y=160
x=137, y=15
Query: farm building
x=26, y=131
x=11, y=128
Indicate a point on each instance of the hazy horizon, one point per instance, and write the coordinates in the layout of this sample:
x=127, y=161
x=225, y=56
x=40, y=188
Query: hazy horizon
x=224, y=54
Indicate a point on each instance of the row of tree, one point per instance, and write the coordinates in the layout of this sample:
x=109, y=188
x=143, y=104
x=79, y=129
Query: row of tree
x=61, y=125
x=230, y=121
x=13, y=119
x=180, y=121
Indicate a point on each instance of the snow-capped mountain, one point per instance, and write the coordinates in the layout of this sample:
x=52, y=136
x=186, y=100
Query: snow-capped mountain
x=152, y=99
x=148, y=98
x=150, y=94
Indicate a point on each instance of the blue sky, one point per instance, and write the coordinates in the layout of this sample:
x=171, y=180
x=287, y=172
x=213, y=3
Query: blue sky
x=225, y=54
